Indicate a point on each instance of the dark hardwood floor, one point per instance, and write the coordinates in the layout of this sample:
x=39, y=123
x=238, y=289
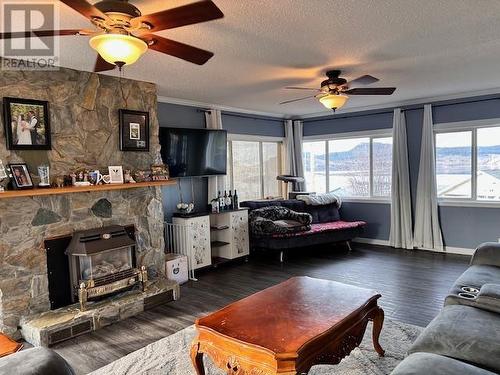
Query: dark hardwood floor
x=413, y=285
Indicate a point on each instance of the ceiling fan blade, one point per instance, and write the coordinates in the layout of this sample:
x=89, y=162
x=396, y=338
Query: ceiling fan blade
x=180, y=50
x=102, y=65
x=85, y=9
x=363, y=80
x=301, y=88
x=296, y=100
x=190, y=14
x=42, y=33
x=371, y=91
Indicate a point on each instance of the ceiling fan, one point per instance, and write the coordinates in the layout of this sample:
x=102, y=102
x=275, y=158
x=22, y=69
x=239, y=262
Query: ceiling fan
x=122, y=34
x=334, y=91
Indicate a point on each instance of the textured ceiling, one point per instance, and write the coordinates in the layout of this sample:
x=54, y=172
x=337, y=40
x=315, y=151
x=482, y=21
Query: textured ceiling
x=424, y=48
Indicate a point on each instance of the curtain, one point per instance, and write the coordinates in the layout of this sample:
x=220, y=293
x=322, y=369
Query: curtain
x=213, y=120
x=289, y=148
x=427, y=233
x=293, y=151
x=297, y=152
x=401, y=235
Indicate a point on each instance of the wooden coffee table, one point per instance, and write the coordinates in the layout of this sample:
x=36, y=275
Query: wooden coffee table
x=288, y=328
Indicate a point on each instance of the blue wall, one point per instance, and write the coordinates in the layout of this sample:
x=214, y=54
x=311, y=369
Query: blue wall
x=461, y=226
x=179, y=116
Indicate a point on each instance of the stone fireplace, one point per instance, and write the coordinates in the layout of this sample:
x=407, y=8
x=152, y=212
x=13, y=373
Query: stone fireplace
x=84, y=125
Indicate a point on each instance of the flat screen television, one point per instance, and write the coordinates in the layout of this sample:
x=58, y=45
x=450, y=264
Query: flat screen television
x=194, y=152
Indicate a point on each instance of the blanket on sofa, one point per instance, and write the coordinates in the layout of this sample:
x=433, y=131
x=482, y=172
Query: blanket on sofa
x=278, y=220
x=320, y=199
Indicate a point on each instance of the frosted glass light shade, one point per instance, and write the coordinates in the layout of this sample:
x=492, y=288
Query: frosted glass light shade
x=332, y=101
x=118, y=49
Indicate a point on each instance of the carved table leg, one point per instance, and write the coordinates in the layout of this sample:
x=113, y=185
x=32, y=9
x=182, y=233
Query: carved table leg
x=378, y=322
x=197, y=359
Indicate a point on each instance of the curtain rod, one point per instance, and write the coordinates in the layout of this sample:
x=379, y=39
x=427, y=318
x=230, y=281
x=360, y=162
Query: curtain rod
x=245, y=116
x=404, y=108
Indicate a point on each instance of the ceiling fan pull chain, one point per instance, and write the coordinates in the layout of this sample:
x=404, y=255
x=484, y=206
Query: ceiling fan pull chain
x=125, y=98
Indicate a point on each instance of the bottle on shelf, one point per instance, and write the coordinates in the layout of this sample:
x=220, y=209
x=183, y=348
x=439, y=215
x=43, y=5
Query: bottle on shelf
x=227, y=201
x=235, y=200
x=231, y=203
x=220, y=198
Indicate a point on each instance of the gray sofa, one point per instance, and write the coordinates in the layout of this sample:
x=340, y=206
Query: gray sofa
x=465, y=337
x=35, y=361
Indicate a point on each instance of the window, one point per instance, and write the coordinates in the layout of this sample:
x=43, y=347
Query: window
x=253, y=168
x=358, y=167
x=468, y=164
x=314, y=166
x=454, y=164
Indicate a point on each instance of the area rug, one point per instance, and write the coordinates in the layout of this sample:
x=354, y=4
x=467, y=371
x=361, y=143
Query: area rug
x=170, y=355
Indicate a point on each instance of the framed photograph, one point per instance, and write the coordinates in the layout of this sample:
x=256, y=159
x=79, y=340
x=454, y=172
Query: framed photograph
x=115, y=174
x=134, y=130
x=159, y=172
x=21, y=178
x=27, y=124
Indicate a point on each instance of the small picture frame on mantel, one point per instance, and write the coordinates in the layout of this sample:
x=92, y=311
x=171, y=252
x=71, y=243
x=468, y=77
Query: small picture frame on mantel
x=20, y=176
x=134, y=130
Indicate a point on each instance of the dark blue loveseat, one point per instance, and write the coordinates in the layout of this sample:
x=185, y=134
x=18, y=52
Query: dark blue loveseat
x=327, y=226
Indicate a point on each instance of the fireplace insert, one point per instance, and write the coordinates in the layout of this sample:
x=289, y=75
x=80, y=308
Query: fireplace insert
x=102, y=262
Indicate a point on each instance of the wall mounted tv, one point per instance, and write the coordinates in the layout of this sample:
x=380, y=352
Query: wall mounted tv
x=194, y=152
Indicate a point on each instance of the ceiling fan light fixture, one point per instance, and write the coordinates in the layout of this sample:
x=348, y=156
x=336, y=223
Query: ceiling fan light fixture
x=333, y=101
x=119, y=49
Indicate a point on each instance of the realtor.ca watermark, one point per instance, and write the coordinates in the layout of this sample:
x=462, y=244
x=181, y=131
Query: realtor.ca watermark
x=23, y=22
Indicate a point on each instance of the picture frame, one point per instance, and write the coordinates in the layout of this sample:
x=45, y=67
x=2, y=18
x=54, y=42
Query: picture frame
x=160, y=172
x=116, y=174
x=27, y=124
x=20, y=176
x=134, y=130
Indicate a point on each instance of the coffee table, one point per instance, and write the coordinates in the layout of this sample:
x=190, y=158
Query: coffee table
x=288, y=328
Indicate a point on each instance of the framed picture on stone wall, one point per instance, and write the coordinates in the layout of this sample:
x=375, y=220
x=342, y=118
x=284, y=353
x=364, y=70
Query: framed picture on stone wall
x=134, y=130
x=26, y=124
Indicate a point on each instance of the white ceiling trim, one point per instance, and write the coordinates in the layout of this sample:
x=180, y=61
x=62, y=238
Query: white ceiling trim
x=426, y=100
x=193, y=103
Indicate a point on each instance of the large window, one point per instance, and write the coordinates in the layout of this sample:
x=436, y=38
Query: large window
x=357, y=167
x=468, y=164
x=253, y=168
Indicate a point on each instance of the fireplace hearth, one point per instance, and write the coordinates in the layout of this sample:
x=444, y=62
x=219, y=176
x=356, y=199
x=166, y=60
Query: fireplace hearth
x=102, y=262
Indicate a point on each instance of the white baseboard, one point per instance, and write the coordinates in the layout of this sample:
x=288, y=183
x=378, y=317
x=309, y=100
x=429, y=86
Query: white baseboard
x=371, y=241
x=447, y=249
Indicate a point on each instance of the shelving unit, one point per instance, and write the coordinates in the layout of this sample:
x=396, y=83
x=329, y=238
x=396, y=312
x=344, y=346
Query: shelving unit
x=80, y=189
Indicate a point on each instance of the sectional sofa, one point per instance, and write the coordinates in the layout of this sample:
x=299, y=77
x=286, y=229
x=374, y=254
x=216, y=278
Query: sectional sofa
x=465, y=337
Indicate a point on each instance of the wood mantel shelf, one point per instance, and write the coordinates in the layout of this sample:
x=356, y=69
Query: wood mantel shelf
x=81, y=189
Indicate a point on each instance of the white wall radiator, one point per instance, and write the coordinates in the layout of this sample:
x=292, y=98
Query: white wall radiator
x=177, y=241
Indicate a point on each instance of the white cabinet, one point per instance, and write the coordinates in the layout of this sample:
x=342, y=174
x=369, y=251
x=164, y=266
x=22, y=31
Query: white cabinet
x=211, y=238
x=239, y=232
x=198, y=240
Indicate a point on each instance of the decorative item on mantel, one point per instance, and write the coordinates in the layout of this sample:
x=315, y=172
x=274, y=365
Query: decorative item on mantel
x=44, y=174
x=159, y=172
x=115, y=174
